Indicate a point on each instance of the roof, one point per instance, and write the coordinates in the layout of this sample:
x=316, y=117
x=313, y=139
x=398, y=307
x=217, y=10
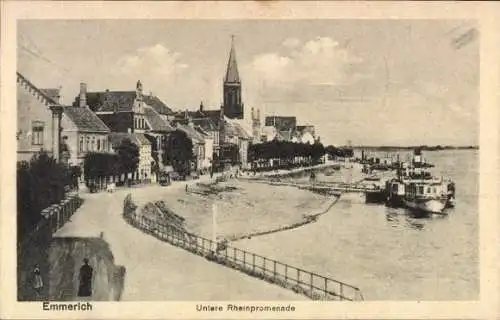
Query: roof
x=202, y=132
x=198, y=115
x=138, y=139
x=111, y=101
x=155, y=122
x=191, y=133
x=52, y=93
x=48, y=99
x=232, y=75
x=235, y=129
x=158, y=105
x=206, y=124
x=85, y=119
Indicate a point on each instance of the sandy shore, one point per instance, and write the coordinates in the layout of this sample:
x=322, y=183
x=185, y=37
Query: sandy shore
x=248, y=208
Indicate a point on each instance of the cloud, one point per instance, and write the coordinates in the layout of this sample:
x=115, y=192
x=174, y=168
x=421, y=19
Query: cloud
x=157, y=60
x=291, y=43
x=319, y=62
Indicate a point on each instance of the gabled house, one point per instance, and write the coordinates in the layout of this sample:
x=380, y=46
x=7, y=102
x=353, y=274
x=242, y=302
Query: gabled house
x=157, y=132
x=206, y=162
x=208, y=120
x=234, y=133
x=198, y=141
x=143, y=172
x=83, y=132
x=38, y=120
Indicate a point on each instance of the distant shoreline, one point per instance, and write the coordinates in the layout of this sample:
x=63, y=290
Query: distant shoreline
x=423, y=148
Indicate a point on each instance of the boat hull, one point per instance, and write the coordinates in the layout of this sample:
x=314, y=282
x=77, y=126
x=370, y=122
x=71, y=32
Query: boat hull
x=426, y=205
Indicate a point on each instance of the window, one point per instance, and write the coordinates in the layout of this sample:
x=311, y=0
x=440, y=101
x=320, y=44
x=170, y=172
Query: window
x=81, y=144
x=93, y=143
x=421, y=189
x=98, y=144
x=87, y=144
x=37, y=128
x=428, y=189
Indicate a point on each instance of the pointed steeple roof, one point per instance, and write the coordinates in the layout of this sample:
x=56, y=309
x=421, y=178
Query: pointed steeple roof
x=232, y=74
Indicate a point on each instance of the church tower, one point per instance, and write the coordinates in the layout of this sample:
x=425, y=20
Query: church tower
x=233, y=107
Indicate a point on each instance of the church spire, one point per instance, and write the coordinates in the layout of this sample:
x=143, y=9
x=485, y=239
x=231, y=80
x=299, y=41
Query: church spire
x=232, y=75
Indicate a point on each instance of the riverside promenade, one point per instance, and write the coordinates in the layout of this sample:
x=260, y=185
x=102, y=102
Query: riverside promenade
x=154, y=270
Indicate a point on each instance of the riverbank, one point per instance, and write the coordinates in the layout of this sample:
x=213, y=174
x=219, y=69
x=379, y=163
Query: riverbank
x=243, y=208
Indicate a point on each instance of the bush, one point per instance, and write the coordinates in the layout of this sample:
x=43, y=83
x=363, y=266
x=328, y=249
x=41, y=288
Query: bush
x=41, y=182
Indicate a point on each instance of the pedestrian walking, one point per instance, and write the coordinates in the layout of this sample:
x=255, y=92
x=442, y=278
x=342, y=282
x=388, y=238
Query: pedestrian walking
x=37, y=282
x=85, y=288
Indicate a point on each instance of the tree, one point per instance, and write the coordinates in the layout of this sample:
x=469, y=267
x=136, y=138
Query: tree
x=41, y=182
x=99, y=166
x=128, y=157
x=317, y=151
x=178, y=152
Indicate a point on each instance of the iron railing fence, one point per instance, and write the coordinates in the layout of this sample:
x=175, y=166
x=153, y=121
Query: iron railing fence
x=313, y=285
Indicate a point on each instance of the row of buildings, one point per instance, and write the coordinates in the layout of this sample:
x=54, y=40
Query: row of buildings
x=99, y=121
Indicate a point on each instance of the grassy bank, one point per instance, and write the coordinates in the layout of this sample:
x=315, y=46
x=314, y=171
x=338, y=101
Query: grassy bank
x=243, y=208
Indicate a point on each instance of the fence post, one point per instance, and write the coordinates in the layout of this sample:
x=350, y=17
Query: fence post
x=202, y=244
x=326, y=287
x=234, y=254
x=253, y=263
x=311, y=284
x=298, y=276
x=244, y=258
x=274, y=270
x=341, y=292
x=264, y=267
x=286, y=273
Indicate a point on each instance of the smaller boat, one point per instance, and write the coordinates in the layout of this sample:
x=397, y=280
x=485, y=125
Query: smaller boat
x=426, y=195
x=395, y=191
x=450, y=192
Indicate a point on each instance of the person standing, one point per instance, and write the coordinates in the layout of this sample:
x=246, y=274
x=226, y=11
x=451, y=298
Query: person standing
x=37, y=282
x=85, y=288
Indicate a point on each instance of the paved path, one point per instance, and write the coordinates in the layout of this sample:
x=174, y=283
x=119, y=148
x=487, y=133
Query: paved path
x=155, y=270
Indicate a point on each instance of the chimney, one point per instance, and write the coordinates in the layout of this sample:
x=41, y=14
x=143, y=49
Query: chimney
x=83, y=94
x=57, y=98
x=201, y=106
x=186, y=114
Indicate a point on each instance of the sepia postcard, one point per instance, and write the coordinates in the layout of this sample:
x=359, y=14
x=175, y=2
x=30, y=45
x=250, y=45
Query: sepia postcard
x=229, y=160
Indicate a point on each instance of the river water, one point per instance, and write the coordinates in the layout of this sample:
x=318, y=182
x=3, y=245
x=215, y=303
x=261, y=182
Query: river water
x=388, y=253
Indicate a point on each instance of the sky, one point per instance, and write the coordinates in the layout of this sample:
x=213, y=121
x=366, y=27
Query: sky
x=370, y=82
